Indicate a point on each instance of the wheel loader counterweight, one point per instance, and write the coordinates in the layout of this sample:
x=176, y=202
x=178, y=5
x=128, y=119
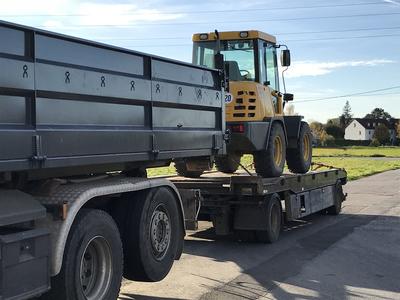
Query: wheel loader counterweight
x=254, y=104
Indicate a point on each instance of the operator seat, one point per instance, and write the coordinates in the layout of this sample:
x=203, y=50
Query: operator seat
x=232, y=70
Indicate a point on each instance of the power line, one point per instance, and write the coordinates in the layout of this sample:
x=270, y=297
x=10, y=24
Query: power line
x=229, y=22
x=276, y=34
x=344, y=38
x=350, y=95
x=206, y=11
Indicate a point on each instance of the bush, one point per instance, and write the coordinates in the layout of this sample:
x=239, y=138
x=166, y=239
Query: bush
x=375, y=143
x=344, y=143
x=328, y=141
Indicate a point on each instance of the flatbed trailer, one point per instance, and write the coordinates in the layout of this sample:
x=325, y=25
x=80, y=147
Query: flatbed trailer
x=254, y=207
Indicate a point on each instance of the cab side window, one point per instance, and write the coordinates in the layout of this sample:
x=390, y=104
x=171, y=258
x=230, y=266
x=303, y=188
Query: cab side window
x=272, y=67
x=268, y=65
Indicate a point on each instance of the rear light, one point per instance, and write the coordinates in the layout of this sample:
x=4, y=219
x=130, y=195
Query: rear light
x=239, y=128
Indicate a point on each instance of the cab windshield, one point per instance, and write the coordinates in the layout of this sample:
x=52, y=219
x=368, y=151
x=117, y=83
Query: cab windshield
x=238, y=56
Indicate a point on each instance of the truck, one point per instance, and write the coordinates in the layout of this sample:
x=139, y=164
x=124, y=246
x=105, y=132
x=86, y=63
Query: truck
x=80, y=122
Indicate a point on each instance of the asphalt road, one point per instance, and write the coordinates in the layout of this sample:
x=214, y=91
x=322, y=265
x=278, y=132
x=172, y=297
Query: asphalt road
x=351, y=256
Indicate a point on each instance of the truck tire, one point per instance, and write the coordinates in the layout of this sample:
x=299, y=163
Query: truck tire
x=299, y=159
x=270, y=162
x=93, y=260
x=337, y=207
x=181, y=169
x=152, y=235
x=273, y=221
x=228, y=163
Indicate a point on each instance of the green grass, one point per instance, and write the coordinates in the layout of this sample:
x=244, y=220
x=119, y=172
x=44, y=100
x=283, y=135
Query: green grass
x=354, y=160
x=358, y=167
x=358, y=152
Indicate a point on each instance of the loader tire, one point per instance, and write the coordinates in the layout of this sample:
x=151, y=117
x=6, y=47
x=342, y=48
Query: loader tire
x=182, y=170
x=299, y=159
x=227, y=164
x=270, y=162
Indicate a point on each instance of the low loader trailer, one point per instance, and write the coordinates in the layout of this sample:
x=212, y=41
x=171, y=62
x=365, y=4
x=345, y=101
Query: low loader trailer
x=80, y=122
x=256, y=208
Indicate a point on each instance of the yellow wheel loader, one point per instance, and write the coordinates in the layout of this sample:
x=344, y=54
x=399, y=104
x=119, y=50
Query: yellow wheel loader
x=254, y=104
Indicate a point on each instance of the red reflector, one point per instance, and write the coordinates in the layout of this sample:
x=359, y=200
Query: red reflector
x=239, y=128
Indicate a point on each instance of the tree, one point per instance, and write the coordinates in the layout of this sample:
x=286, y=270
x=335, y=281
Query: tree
x=346, y=116
x=318, y=131
x=378, y=113
x=382, y=134
x=334, y=130
x=398, y=130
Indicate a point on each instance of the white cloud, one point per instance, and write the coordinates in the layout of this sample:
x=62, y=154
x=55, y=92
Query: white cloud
x=314, y=68
x=120, y=14
x=392, y=2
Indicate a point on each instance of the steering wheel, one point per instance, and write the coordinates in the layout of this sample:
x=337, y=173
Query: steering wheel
x=246, y=73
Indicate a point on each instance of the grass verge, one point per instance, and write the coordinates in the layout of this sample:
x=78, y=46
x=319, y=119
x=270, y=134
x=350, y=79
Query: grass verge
x=355, y=167
x=357, y=152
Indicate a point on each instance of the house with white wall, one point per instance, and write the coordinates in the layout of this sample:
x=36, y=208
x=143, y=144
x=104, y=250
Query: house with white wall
x=361, y=129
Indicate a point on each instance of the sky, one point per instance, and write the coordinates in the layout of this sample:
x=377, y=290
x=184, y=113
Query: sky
x=346, y=48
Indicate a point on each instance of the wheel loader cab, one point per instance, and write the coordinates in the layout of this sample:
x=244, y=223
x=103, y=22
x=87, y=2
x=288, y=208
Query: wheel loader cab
x=250, y=63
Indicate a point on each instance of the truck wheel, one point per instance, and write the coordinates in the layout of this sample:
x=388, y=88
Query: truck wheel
x=299, y=159
x=337, y=207
x=228, y=164
x=270, y=162
x=153, y=235
x=93, y=260
x=273, y=220
x=182, y=170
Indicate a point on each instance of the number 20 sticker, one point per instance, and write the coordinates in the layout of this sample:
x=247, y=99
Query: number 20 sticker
x=228, y=98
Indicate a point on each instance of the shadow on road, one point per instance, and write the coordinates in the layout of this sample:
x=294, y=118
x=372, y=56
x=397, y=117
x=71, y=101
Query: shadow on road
x=344, y=268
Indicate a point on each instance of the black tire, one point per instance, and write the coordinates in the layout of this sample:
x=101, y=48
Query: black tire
x=228, y=163
x=339, y=196
x=94, y=234
x=181, y=169
x=299, y=159
x=273, y=212
x=265, y=162
x=152, y=235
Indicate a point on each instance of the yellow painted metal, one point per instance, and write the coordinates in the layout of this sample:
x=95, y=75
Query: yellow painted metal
x=306, y=147
x=252, y=101
x=235, y=35
x=278, y=150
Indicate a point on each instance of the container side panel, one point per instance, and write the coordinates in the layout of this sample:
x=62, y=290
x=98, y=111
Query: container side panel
x=64, y=79
x=16, y=74
x=185, y=74
x=184, y=94
x=13, y=41
x=12, y=110
x=85, y=113
x=176, y=118
x=68, y=143
x=76, y=53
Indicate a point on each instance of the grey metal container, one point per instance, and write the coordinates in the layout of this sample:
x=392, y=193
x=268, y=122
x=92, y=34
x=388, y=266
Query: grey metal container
x=72, y=104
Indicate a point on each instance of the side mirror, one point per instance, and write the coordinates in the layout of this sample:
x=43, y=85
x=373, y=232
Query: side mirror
x=288, y=97
x=285, y=58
